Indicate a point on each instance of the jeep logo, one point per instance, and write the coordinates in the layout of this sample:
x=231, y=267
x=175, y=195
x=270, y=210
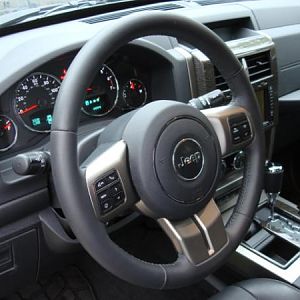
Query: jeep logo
x=188, y=159
x=193, y=158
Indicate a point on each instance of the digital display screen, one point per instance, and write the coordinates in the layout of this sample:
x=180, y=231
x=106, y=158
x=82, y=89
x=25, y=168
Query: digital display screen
x=260, y=95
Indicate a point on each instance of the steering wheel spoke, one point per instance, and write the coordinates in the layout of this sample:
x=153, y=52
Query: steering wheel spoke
x=198, y=237
x=108, y=182
x=233, y=126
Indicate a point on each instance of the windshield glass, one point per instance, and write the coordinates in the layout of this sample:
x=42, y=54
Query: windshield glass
x=17, y=11
x=8, y=6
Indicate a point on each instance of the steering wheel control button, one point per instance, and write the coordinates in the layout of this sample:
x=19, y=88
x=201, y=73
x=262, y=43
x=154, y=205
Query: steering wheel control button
x=103, y=196
x=246, y=131
x=118, y=199
x=112, y=177
x=240, y=129
x=236, y=139
x=116, y=188
x=106, y=206
x=100, y=184
x=110, y=192
x=188, y=159
x=106, y=181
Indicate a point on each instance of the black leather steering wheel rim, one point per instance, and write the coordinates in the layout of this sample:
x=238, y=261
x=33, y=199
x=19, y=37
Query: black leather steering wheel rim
x=68, y=177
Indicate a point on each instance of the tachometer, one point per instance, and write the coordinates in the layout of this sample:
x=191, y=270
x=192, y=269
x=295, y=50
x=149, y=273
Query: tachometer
x=102, y=95
x=8, y=133
x=35, y=99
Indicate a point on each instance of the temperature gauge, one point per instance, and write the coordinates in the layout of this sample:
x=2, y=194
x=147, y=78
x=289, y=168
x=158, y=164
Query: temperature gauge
x=8, y=133
x=134, y=93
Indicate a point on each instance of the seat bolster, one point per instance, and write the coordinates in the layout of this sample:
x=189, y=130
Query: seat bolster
x=259, y=289
x=233, y=293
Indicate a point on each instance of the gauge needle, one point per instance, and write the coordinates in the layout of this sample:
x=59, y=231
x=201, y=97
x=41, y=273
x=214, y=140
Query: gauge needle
x=28, y=109
x=132, y=87
x=7, y=126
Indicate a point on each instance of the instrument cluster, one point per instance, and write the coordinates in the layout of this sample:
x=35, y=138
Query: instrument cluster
x=120, y=85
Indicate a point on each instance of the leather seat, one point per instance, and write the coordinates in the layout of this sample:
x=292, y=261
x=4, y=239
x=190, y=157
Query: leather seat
x=259, y=289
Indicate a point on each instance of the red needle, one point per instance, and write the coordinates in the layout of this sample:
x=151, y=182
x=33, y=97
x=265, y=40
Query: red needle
x=30, y=108
x=7, y=126
x=132, y=87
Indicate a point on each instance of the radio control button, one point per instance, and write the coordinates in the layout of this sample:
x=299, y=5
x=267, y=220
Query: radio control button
x=240, y=129
x=235, y=130
x=103, y=196
x=115, y=189
x=245, y=126
x=246, y=134
x=237, y=139
x=111, y=177
x=100, y=184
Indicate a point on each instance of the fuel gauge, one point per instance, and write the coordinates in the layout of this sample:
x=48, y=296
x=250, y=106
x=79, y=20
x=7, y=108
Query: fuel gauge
x=134, y=93
x=8, y=133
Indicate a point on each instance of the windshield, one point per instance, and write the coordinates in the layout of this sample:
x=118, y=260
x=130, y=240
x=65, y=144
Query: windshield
x=8, y=6
x=13, y=12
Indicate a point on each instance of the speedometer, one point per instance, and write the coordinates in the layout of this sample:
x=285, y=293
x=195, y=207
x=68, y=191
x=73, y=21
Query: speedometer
x=35, y=99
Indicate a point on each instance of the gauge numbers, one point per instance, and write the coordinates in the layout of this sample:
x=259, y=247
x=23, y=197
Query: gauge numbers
x=102, y=95
x=35, y=99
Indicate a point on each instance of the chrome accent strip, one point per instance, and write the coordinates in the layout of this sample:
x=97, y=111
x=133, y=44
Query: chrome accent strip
x=245, y=66
x=211, y=249
x=250, y=45
x=187, y=239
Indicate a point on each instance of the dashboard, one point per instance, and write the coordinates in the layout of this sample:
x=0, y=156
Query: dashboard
x=123, y=83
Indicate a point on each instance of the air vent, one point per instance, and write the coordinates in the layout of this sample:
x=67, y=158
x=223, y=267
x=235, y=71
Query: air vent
x=220, y=81
x=258, y=65
x=117, y=15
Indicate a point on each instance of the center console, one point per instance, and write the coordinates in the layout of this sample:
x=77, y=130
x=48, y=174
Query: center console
x=272, y=245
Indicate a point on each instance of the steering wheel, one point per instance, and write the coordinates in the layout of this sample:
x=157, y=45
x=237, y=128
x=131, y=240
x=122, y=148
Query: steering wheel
x=162, y=159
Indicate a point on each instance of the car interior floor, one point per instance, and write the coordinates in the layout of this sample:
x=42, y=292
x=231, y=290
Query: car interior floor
x=82, y=278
